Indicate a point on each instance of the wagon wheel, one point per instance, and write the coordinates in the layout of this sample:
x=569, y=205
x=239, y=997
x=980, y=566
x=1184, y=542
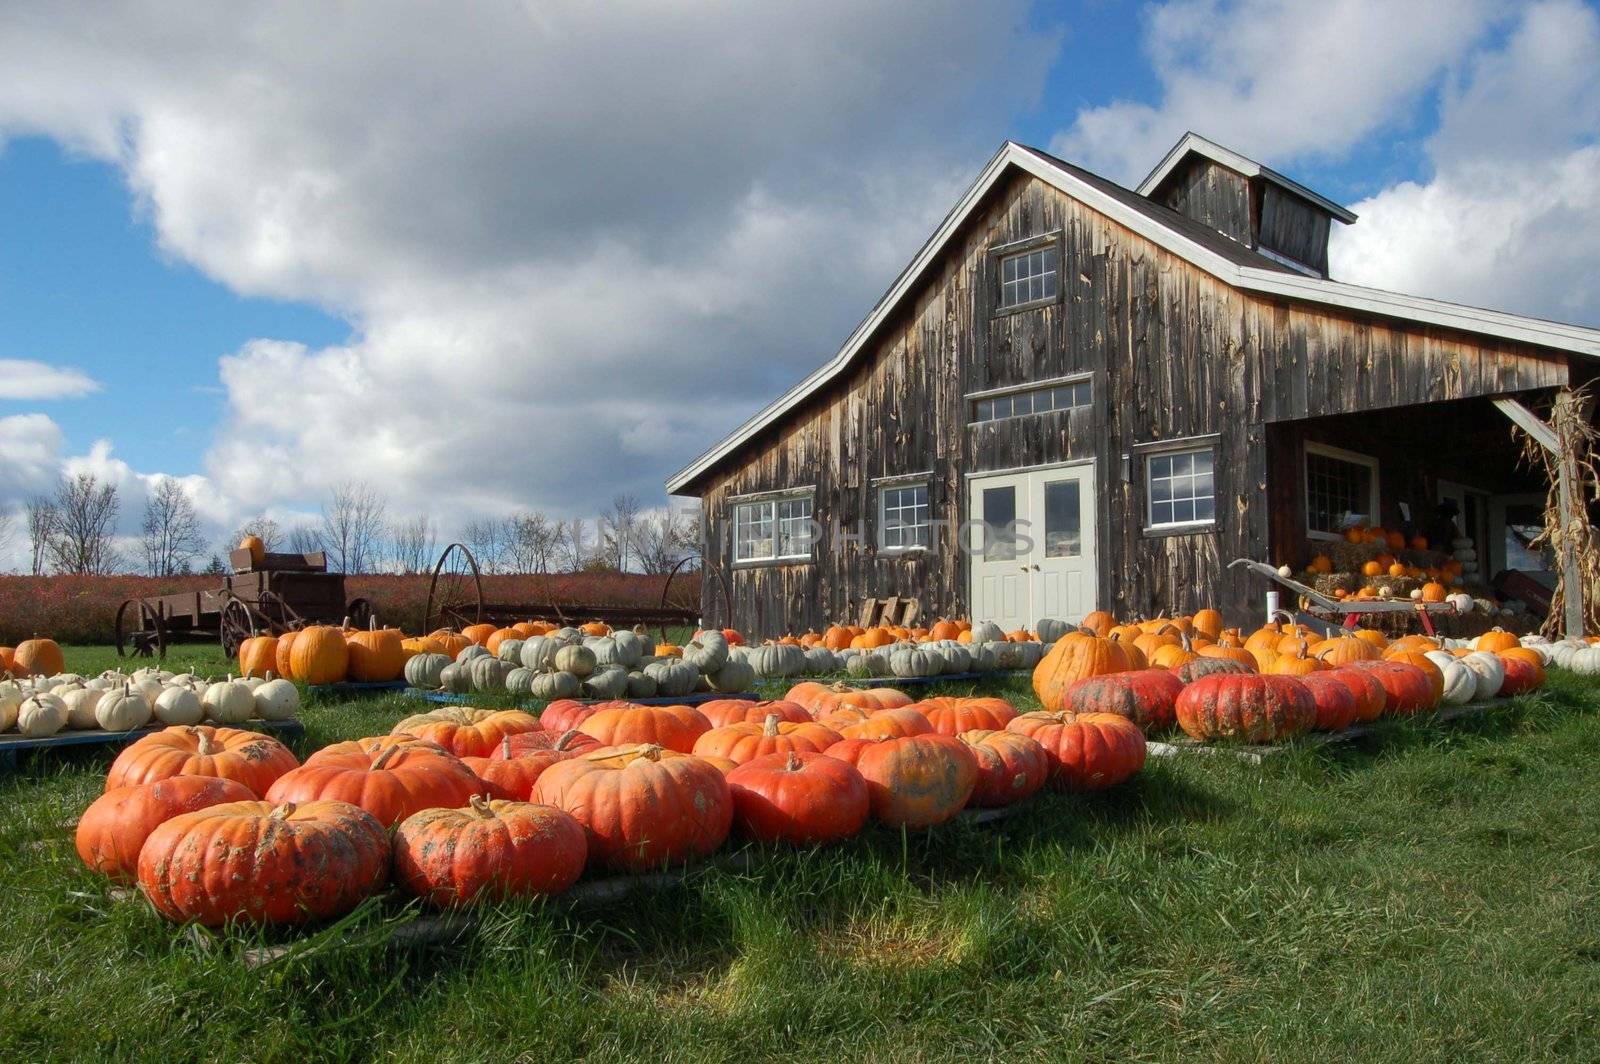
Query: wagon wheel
x=666, y=589
x=359, y=612
x=455, y=594
x=149, y=637
x=236, y=624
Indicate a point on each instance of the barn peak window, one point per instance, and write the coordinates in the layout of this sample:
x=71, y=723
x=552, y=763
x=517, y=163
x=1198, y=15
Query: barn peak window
x=1338, y=483
x=904, y=517
x=1180, y=488
x=776, y=528
x=1026, y=273
x=1042, y=399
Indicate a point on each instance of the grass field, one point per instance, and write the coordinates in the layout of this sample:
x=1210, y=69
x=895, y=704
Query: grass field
x=1429, y=893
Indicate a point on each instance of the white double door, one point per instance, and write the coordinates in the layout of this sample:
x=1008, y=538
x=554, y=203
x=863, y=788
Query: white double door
x=1031, y=549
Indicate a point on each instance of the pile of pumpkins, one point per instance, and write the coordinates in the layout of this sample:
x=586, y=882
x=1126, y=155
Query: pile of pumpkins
x=1283, y=678
x=113, y=701
x=458, y=805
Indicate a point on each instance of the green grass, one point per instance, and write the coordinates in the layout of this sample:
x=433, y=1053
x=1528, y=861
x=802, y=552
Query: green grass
x=1426, y=894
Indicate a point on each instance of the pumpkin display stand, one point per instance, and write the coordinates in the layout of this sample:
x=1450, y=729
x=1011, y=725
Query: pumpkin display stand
x=11, y=746
x=1350, y=612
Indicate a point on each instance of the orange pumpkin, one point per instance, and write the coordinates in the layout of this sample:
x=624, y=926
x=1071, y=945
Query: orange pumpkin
x=319, y=655
x=1074, y=657
x=258, y=656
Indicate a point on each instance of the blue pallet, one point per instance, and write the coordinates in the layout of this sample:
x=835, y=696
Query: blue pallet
x=9, y=748
x=348, y=688
x=682, y=700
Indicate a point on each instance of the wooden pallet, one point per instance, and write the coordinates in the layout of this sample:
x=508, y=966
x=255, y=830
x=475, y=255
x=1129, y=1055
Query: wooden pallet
x=451, y=699
x=11, y=747
x=1256, y=754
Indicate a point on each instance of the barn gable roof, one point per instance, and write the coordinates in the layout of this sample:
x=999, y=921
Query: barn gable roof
x=1201, y=246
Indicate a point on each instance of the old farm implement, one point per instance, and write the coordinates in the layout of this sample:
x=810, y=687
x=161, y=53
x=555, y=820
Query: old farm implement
x=456, y=599
x=281, y=593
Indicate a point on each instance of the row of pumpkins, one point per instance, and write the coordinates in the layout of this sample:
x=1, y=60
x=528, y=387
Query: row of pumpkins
x=460, y=805
x=1282, y=679
x=114, y=701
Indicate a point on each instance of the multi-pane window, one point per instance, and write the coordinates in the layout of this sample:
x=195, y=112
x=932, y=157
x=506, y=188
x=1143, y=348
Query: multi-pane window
x=903, y=517
x=770, y=529
x=1338, y=485
x=1073, y=396
x=1029, y=276
x=1180, y=487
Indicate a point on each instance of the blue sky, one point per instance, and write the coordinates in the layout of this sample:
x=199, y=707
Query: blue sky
x=416, y=251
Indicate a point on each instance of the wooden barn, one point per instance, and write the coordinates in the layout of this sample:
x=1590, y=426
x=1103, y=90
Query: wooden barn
x=1079, y=395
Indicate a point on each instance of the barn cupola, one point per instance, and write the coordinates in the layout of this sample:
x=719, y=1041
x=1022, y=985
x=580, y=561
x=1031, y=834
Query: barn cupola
x=1240, y=198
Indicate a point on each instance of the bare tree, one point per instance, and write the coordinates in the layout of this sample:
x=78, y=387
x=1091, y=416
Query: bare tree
x=170, y=532
x=664, y=539
x=572, y=547
x=42, y=520
x=263, y=528
x=486, y=540
x=352, y=527
x=8, y=532
x=619, y=525
x=304, y=539
x=533, y=542
x=86, y=520
x=415, y=544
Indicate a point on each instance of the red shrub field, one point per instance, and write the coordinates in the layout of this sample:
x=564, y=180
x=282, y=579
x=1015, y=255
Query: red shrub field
x=82, y=609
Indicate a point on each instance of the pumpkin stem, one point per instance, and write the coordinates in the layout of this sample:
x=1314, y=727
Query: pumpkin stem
x=480, y=808
x=566, y=738
x=505, y=748
x=206, y=747
x=651, y=751
x=282, y=812
x=383, y=759
x=770, y=728
x=793, y=764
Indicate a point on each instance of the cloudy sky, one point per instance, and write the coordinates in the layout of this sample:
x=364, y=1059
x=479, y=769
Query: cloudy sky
x=517, y=254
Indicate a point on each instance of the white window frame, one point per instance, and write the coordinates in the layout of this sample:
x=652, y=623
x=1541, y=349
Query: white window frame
x=1076, y=380
x=1338, y=454
x=771, y=506
x=883, y=519
x=1150, y=524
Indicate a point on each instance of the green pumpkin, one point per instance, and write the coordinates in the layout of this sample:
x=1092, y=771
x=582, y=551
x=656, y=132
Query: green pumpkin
x=736, y=676
x=549, y=686
x=777, y=660
x=641, y=686
x=607, y=682
x=673, y=678
x=423, y=670
x=576, y=659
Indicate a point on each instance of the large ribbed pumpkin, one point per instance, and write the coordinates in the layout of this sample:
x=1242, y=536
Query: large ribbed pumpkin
x=1343, y=649
x=746, y=740
x=914, y=781
x=564, y=714
x=797, y=797
x=488, y=850
x=1369, y=694
x=721, y=712
x=1011, y=767
x=1252, y=709
x=510, y=775
x=38, y=657
x=468, y=732
x=820, y=699
x=1075, y=656
x=887, y=724
x=283, y=654
x=261, y=863
x=625, y=724
x=388, y=778
x=950, y=715
x=641, y=806
x=319, y=655
x=115, y=825
x=1407, y=688
x=1334, y=700
x=246, y=757
x=1088, y=751
x=258, y=656
x=377, y=655
x=1145, y=696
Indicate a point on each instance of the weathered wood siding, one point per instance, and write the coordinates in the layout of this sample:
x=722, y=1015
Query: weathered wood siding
x=1213, y=195
x=1292, y=227
x=1174, y=353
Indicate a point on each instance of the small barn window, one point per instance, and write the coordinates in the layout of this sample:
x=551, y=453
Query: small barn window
x=904, y=520
x=772, y=530
x=1180, y=488
x=1067, y=395
x=1029, y=277
x=1339, y=484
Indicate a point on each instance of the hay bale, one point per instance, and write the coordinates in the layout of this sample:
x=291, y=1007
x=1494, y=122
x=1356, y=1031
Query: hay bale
x=1328, y=583
x=1349, y=557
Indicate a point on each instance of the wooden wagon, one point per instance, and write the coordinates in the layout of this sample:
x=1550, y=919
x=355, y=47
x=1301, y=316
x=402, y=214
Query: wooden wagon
x=1348, y=612
x=284, y=592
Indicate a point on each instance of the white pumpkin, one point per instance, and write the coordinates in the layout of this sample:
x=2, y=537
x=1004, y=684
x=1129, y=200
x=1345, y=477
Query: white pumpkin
x=987, y=632
x=1584, y=659
x=576, y=659
x=41, y=714
x=1490, y=671
x=80, y=702
x=277, y=699
x=122, y=710
x=11, y=696
x=178, y=705
x=1460, y=682
x=736, y=675
x=229, y=702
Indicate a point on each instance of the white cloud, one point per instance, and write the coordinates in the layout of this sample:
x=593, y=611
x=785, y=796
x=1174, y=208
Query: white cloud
x=1278, y=80
x=577, y=242
x=22, y=379
x=31, y=444
x=1510, y=219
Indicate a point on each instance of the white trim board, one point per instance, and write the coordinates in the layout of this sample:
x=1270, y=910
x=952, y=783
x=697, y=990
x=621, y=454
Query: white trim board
x=1317, y=290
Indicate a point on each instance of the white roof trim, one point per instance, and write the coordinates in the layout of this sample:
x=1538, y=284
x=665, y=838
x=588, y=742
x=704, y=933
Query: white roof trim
x=1194, y=142
x=1254, y=279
